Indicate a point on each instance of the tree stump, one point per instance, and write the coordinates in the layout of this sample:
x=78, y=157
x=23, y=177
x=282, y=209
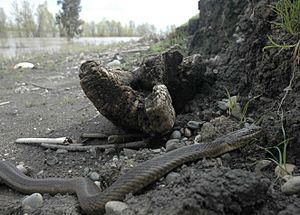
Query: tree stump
x=142, y=100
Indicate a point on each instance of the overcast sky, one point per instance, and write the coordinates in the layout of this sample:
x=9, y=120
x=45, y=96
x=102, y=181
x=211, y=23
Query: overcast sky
x=161, y=13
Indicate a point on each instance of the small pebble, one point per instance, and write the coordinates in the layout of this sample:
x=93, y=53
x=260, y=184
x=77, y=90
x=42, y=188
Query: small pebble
x=93, y=152
x=22, y=169
x=175, y=135
x=94, y=176
x=110, y=151
x=171, y=177
x=173, y=144
x=98, y=184
x=194, y=125
x=130, y=153
x=40, y=172
x=51, y=160
x=292, y=186
x=115, y=207
x=290, y=168
x=61, y=151
x=226, y=157
x=261, y=165
x=35, y=200
x=222, y=105
x=156, y=151
x=86, y=171
x=187, y=132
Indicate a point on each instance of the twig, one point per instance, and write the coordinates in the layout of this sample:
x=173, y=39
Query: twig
x=4, y=103
x=59, y=140
x=94, y=135
x=83, y=108
x=77, y=147
x=46, y=88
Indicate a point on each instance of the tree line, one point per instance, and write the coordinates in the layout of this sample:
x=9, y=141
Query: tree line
x=27, y=22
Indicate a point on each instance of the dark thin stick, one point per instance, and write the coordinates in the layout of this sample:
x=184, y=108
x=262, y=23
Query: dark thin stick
x=94, y=135
x=46, y=88
x=123, y=138
x=73, y=147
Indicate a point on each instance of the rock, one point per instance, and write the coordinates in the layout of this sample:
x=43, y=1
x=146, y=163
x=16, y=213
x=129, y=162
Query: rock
x=187, y=132
x=86, y=171
x=261, y=165
x=94, y=176
x=24, y=65
x=114, y=64
x=225, y=104
x=226, y=157
x=51, y=160
x=222, y=105
x=93, y=152
x=287, y=177
x=171, y=177
x=292, y=186
x=130, y=153
x=61, y=151
x=118, y=57
x=194, y=125
x=35, y=200
x=22, y=168
x=198, y=139
x=98, y=183
x=237, y=111
x=280, y=172
x=175, y=135
x=172, y=144
x=156, y=151
x=115, y=207
x=81, y=56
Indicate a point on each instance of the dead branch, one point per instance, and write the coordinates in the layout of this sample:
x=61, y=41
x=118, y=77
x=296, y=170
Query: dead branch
x=79, y=147
x=94, y=135
x=123, y=138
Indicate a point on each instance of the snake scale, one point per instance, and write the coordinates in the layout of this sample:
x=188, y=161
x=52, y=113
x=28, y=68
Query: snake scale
x=92, y=200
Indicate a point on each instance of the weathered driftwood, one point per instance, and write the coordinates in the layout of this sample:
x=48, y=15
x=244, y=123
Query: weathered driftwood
x=4, y=103
x=144, y=99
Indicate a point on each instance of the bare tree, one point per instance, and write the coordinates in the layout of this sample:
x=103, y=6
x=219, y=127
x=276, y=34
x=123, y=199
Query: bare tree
x=24, y=18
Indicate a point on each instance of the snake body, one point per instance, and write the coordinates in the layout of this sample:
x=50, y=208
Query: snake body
x=92, y=200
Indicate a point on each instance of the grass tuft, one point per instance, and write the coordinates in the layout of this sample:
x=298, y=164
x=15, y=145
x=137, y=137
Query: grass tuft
x=288, y=12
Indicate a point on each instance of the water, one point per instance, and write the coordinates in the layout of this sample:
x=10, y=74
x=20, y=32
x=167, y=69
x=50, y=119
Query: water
x=13, y=47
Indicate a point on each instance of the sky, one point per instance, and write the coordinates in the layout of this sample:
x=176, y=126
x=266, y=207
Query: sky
x=161, y=13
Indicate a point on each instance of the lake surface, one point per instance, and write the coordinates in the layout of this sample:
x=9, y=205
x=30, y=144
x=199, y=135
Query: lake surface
x=14, y=47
